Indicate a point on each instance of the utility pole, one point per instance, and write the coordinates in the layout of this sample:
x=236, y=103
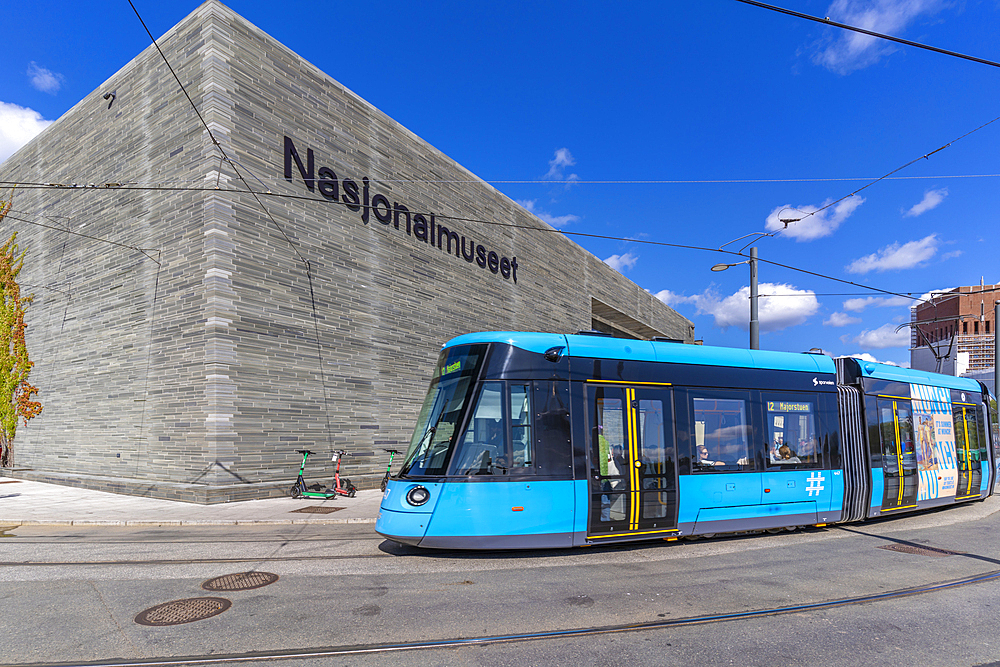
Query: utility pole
x=754, y=319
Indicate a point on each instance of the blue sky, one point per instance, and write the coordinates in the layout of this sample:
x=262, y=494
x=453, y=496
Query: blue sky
x=681, y=123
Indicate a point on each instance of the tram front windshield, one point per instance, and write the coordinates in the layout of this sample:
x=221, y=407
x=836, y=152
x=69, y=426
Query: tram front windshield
x=452, y=384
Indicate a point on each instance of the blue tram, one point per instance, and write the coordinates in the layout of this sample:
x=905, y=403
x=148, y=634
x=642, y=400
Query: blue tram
x=531, y=440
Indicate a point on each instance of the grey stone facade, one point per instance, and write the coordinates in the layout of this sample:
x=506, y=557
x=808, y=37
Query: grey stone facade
x=181, y=348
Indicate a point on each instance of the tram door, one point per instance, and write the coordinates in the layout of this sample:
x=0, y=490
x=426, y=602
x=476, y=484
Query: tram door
x=967, y=451
x=899, y=456
x=633, y=482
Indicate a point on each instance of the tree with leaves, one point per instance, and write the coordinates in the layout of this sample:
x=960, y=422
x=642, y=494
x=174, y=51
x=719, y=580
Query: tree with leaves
x=15, y=390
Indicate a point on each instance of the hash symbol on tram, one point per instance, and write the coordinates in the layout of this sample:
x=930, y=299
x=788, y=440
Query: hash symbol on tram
x=815, y=483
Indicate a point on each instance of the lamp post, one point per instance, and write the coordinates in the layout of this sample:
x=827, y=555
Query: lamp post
x=754, y=320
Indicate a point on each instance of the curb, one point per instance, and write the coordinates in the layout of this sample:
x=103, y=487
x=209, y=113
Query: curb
x=7, y=523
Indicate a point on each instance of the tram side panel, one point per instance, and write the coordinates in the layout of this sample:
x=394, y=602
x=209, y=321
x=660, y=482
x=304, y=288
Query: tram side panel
x=927, y=444
x=747, y=459
x=780, y=462
x=993, y=444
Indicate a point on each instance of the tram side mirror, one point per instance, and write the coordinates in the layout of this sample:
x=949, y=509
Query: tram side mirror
x=554, y=354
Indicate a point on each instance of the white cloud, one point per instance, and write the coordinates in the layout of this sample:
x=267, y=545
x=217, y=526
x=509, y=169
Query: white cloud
x=784, y=306
x=621, y=262
x=812, y=226
x=554, y=220
x=44, y=80
x=849, y=51
x=927, y=296
x=858, y=305
x=864, y=356
x=18, y=126
x=672, y=298
x=841, y=320
x=895, y=257
x=931, y=200
x=562, y=159
x=883, y=337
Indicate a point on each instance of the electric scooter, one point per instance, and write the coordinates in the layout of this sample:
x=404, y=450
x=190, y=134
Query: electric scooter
x=342, y=485
x=385, y=480
x=300, y=490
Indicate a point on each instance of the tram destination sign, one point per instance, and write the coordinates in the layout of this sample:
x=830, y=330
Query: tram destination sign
x=422, y=227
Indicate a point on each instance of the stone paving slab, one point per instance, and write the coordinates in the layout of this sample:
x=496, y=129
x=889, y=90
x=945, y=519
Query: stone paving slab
x=24, y=502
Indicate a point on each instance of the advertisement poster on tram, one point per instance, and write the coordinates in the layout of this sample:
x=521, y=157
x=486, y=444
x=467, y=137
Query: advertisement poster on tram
x=936, y=464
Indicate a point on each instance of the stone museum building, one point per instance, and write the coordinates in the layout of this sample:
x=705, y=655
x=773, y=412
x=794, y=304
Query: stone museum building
x=202, y=311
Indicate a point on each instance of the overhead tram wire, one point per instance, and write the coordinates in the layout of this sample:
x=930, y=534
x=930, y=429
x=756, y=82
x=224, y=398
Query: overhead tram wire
x=239, y=174
x=215, y=141
x=871, y=33
x=882, y=178
x=249, y=190
x=145, y=251
x=553, y=230
x=827, y=21
x=632, y=181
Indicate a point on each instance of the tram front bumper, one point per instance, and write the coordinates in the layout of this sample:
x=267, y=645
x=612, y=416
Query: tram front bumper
x=401, y=520
x=403, y=527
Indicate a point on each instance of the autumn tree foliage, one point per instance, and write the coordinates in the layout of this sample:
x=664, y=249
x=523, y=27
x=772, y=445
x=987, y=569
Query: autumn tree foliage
x=15, y=391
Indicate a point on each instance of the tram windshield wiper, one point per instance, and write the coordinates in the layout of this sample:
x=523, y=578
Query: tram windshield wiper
x=426, y=439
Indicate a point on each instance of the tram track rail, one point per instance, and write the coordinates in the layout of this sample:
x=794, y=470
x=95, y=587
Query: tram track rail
x=389, y=648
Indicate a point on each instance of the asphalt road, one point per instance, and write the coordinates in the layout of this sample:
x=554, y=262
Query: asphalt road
x=344, y=596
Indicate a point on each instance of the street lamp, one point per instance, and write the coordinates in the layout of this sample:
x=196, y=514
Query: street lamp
x=754, y=321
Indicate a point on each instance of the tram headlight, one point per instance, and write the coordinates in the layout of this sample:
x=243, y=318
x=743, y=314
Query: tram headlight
x=417, y=496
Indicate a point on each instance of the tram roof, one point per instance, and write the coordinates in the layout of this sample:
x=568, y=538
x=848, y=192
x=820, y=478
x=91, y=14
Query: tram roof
x=602, y=347
x=881, y=371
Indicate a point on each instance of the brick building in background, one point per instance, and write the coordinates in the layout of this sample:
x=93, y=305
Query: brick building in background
x=188, y=337
x=955, y=331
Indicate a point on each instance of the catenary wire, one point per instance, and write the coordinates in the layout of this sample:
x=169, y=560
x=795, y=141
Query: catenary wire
x=538, y=229
x=14, y=215
x=871, y=33
x=249, y=190
x=632, y=181
x=239, y=174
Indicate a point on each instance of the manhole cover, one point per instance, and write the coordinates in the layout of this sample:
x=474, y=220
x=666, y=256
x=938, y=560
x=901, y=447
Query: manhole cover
x=183, y=611
x=919, y=551
x=241, y=581
x=317, y=510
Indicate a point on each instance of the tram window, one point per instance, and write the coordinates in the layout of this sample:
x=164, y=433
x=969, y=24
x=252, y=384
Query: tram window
x=610, y=435
x=520, y=426
x=721, y=434
x=899, y=454
x=483, y=450
x=968, y=426
x=791, y=431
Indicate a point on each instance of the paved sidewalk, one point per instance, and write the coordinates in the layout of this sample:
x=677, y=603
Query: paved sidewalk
x=25, y=502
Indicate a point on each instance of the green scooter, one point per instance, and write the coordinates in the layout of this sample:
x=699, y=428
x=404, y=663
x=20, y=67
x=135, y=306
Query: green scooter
x=385, y=479
x=342, y=487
